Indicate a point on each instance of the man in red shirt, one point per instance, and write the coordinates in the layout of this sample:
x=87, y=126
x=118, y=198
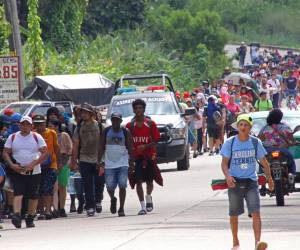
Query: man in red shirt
x=145, y=135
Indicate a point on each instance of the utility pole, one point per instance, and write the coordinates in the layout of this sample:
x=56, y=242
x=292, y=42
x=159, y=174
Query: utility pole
x=11, y=7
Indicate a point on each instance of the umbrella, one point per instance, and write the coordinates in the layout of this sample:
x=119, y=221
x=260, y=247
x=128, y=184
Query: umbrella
x=236, y=76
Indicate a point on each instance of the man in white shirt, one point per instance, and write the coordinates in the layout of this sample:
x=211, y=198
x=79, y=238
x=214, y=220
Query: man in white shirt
x=275, y=85
x=24, y=151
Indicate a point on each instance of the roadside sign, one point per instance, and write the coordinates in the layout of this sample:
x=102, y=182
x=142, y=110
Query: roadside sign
x=9, y=80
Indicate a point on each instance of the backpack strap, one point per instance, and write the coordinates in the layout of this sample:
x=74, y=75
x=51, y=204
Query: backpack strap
x=105, y=132
x=231, y=148
x=35, y=138
x=125, y=132
x=255, y=144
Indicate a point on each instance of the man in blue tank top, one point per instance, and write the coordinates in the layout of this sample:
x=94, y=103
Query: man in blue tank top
x=116, y=146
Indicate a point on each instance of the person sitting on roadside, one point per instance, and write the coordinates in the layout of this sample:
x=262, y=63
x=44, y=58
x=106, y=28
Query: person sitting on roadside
x=263, y=104
x=277, y=135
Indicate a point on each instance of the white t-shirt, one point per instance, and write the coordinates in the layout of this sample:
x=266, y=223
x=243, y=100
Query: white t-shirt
x=199, y=122
x=275, y=85
x=25, y=149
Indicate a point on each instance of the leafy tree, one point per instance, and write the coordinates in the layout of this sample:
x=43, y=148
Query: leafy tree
x=34, y=42
x=5, y=31
x=62, y=22
x=104, y=16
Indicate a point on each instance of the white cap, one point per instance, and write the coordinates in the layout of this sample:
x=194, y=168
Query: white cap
x=27, y=119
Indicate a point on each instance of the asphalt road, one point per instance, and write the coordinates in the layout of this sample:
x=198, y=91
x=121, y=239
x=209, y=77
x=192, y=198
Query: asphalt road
x=230, y=51
x=187, y=215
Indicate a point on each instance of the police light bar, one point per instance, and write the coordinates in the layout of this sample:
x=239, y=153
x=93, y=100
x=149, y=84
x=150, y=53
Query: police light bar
x=121, y=91
x=156, y=88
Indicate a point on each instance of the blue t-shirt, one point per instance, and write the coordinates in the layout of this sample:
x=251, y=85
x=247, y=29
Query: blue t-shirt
x=243, y=163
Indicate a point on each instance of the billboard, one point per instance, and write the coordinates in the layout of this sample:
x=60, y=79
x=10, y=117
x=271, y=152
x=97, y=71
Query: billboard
x=9, y=80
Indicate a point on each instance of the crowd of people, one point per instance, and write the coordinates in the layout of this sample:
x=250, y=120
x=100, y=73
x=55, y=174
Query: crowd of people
x=269, y=84
x=43, y=157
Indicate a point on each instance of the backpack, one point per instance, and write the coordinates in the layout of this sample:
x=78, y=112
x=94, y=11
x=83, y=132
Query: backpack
x=125, y=132
x=13, y=137
x=268, y=104
x=254, y=143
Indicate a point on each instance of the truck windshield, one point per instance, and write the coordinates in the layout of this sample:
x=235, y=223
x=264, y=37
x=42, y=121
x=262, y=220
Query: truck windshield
x=155, y=106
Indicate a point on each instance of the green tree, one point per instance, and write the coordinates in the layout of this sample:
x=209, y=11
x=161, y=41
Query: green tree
x=34, y=42
x=105, y=16
x=5, y=31
x=62, y=22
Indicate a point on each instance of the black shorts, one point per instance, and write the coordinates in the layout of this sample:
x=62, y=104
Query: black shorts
x=26, y=185
x=214, y=132
x=144, y=170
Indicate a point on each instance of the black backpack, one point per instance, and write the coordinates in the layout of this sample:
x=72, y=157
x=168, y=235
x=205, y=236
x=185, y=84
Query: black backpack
x=125, y=132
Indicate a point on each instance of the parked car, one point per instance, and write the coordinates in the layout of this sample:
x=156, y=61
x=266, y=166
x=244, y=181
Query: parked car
x=37, y=107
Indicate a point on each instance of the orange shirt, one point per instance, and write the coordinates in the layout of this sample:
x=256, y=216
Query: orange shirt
x=50, y=137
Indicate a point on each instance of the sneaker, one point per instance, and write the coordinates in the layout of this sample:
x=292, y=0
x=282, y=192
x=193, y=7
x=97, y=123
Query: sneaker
x=142, y=212
x=113, y=205
x=80, y=208
x=217, y=151
x=41, y=217
x=16, y=220
x=48, y=216
x=29, y=221
x=72, y=209
x=149, y=204
x=55, y=214
x=211, y=153
x=90, y=212
x=62, y=213
x=121, y=213
x=98, y=208
x=195, y=155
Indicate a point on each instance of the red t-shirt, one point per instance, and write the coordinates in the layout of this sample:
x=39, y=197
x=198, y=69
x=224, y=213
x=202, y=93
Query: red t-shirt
x=142, y=136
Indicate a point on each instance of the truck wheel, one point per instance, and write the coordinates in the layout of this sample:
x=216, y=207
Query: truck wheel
x=279, y=193
x=184, y=164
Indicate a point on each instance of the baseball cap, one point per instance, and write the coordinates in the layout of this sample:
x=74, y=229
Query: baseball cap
x=39, y=119
x=243, y=117
x=26, y=119
x=116, y=115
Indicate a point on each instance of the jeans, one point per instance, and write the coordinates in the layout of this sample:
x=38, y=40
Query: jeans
x=93, y=184
x=275, y=100
x=287, y=153
x=116, y=177
x=199, y=139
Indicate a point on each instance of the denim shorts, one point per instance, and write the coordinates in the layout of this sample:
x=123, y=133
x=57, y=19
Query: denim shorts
x=48, y=180
x=246, y=189
x=116, y=177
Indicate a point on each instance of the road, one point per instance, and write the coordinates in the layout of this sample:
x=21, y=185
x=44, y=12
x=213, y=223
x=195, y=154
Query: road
x=230, y=51
x=188, y=215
